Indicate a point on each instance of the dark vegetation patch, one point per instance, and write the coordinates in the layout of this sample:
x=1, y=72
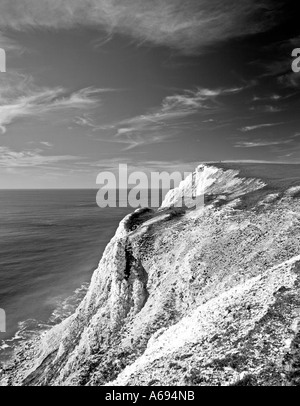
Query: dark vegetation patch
x=172, y=212
x=296, y=195
x=248, y=380
x=139, y=218
x=38, y=376
x=214, y=198
x=234, y=361
x=105, y=368
x=250, y=200
x=291, y=362
x=129, y=259
x=194, y=378
x=220, y=202
x=154, y=382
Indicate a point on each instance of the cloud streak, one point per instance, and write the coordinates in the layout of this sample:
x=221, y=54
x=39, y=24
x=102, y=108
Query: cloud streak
x=157, y=125
x=257, y=144
x=259, y=126
x=14, y=159
x=20, y=98
x=183, y=24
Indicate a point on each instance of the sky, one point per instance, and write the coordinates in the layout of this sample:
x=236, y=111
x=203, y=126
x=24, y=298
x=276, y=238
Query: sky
x=154, y=84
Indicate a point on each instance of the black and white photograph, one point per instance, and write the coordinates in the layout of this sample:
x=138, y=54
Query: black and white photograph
x=149, y=195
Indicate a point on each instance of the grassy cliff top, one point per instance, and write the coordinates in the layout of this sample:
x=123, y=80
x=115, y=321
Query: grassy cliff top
x=277, y=176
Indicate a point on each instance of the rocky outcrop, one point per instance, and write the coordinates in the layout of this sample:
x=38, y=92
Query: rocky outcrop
x=204, y=296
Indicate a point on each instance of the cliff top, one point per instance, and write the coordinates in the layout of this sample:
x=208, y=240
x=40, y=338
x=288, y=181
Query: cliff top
x=275, y=175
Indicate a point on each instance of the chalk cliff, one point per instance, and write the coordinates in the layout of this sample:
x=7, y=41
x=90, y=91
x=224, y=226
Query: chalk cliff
x=187, y=296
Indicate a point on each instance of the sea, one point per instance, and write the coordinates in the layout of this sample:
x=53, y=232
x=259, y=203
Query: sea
x=51, y=241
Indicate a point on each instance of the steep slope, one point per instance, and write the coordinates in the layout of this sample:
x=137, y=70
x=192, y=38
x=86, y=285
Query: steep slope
x=203, y=296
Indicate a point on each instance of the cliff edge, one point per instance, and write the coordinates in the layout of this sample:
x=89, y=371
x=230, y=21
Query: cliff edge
x=188, y=296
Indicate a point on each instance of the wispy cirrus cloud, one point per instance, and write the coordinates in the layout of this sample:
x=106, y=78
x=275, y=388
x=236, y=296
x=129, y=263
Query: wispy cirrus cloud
x=85, y=121
x=275, y=68
x=273, y=97
x=28, y=158
x=133, y=138
x=271, y=109
x=267, y=109
x=187, y=103
x=259, y=126
x=21, y=98
x=290, y=80
x=157, y=125
x=46, y=144
x=280, y=144
x=183, y=24
x=261, y=143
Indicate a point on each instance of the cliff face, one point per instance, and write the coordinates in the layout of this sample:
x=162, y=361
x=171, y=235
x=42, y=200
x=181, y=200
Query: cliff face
x=202, y=296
